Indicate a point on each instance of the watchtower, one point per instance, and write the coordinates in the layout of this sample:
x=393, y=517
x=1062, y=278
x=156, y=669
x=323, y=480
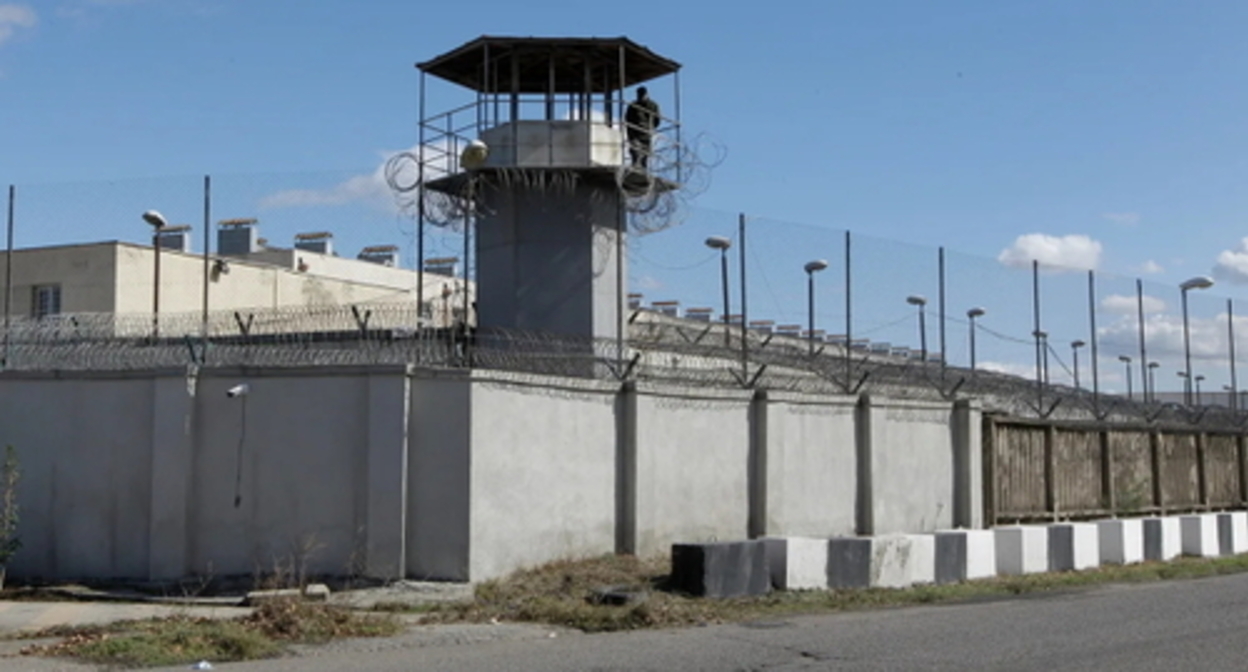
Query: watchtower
x=541, y=165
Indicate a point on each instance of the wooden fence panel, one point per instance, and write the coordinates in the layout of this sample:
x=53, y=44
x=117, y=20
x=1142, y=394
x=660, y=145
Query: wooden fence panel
x=1077, y=471
x=1039, y=470
x=1222, y=470
x=1133, y=470
x=1020, y=470
x=1180, y=470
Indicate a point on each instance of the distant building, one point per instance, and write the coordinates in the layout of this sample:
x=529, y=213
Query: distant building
x=118, y=277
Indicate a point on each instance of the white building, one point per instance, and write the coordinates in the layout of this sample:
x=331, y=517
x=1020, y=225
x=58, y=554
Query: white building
x=119, y=278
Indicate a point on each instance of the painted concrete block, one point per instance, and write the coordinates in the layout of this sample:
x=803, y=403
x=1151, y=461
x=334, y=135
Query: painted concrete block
x=1163, y=538
x=1233, y=532
x=797, y=563
x=890, y=561
x=1022, y=549
x=963, y=555
x=1200, y=534
x=1073, y=546
x=724, y=569
x=1121, y=540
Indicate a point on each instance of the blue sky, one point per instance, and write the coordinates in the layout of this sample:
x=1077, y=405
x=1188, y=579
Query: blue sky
x=1094, y=134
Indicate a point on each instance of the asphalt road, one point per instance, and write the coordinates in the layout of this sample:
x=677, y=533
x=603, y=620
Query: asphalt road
x=1181, y=625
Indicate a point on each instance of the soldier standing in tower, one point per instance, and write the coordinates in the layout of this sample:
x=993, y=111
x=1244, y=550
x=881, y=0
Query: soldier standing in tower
x=641, y=118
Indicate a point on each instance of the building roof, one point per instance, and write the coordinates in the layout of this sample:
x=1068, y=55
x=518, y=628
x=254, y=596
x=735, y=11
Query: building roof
x=534, y=58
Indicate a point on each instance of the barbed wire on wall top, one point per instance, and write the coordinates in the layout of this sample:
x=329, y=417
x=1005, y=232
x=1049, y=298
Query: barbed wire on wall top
x=654, y=198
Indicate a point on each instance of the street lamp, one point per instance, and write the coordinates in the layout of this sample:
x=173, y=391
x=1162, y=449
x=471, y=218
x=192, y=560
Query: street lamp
x=1126, y=361
x=1152, y=381
x=158, y=223
x=1187, y=386
x=1074, y=351
x=971, y=315
x=1197, y=380
x=1198, y=282
x=811, y=268
x=722, y=244
x=920, y=302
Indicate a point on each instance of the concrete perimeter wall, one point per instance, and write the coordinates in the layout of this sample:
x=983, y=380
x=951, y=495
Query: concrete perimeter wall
x=397, y=472
x=692, y=466
x=811, y=466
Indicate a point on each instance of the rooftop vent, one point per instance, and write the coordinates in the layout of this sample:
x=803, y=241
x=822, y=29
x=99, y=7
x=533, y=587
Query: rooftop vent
x=237, y=236
x=700, y=314
x=442, y=266
x=668, y=308
x=174, y=238
x=321, y=242
x=386, y=255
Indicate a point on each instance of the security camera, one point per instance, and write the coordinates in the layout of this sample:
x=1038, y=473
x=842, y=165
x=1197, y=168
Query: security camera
x=239, y=390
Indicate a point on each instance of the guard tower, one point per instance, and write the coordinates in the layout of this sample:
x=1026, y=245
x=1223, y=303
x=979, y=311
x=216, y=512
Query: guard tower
x=548, y=194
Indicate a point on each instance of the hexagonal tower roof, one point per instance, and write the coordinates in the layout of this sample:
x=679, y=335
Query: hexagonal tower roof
x=492, y=64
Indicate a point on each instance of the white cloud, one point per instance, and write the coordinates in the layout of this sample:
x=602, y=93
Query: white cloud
x=1163, y=337
x=14, y=17
x=1072, y=252
x=647, y=282
x=1129, y=305
x=1232, y=265
x=1123, y=218
x=1011, y=368
x=358, y=188
x=1151, y=267
x=370, y=187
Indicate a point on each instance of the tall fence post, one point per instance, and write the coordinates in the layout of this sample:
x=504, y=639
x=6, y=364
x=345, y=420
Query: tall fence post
x=1050, y=469
x=1202, y=468
x=989, y=439
x=968, y=503
x=1154, y=455
x=757, y=468
x=1242, y=463
x=1109, y=499
x=864, y=515
x=626, y=468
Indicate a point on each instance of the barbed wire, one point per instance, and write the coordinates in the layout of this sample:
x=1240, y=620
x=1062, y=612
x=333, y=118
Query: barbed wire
x=656, y=348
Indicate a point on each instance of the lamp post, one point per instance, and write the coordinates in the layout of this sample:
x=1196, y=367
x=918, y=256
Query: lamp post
x=1187, y=387
x=158, y=223
x=971, y=315
x=1126, y=361
x=920, y=303
x=811, y=268
x=1074, y=351
x=1198, y=282
x=722, y=244
x=1197, y=380
x=1152, y=381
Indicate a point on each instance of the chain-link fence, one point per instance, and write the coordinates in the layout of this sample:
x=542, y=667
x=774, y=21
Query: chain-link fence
x=811, y=308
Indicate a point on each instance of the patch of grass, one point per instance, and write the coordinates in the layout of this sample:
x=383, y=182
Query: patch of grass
x=560, y=593
x=180, y=640
x=312, y=623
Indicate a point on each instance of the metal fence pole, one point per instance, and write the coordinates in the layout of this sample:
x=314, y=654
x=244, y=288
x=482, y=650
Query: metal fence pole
x=943, y=352
x=849, y=312
x=8, y=276
x=1096, y=381
x=207, y=260
x=745, y=351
